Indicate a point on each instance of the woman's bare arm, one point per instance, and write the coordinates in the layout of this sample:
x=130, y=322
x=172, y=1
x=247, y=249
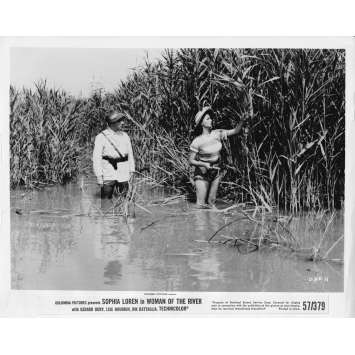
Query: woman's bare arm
x=236, y=129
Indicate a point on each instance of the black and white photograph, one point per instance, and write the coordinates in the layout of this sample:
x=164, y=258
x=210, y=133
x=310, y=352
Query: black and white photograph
x=185, y=169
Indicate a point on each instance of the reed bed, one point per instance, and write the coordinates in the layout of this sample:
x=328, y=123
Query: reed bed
x=291, y=152
x=290, y=155
x=44, y=136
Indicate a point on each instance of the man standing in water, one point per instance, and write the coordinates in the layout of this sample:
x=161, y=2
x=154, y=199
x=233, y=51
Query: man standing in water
x=113, y=157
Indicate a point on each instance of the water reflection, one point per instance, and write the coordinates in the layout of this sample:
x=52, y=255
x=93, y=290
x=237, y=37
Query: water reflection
x=113, y=272
x=112, y=246
x=38, y=243
x=204, y=221
x=60, y=241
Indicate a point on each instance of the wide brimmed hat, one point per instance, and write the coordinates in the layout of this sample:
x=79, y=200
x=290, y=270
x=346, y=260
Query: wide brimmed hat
x=201, y=114
x=115, y=117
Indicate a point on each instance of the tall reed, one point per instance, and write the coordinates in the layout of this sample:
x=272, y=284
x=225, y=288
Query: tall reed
x=291, y=153
x=44, y=136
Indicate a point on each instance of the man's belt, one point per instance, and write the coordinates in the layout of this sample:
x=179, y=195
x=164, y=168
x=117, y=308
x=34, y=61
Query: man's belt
x=115, y=161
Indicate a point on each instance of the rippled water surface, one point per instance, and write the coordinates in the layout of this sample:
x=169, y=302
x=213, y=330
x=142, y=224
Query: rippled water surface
x=55, y=244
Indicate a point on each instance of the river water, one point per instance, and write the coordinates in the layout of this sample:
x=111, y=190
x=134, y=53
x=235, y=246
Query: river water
x=60, y=242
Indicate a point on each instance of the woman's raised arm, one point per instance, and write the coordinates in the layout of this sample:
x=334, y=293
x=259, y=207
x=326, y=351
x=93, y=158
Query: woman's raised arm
x=236, y=129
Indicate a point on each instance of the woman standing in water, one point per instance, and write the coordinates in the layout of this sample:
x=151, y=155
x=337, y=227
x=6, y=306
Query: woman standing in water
x=206, y=156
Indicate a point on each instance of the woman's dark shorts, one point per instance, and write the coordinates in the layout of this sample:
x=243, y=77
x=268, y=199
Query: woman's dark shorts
x=109, y=187
x=202, y=173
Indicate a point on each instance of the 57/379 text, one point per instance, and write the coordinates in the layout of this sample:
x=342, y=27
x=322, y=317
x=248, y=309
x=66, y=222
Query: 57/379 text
x=313, y=305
